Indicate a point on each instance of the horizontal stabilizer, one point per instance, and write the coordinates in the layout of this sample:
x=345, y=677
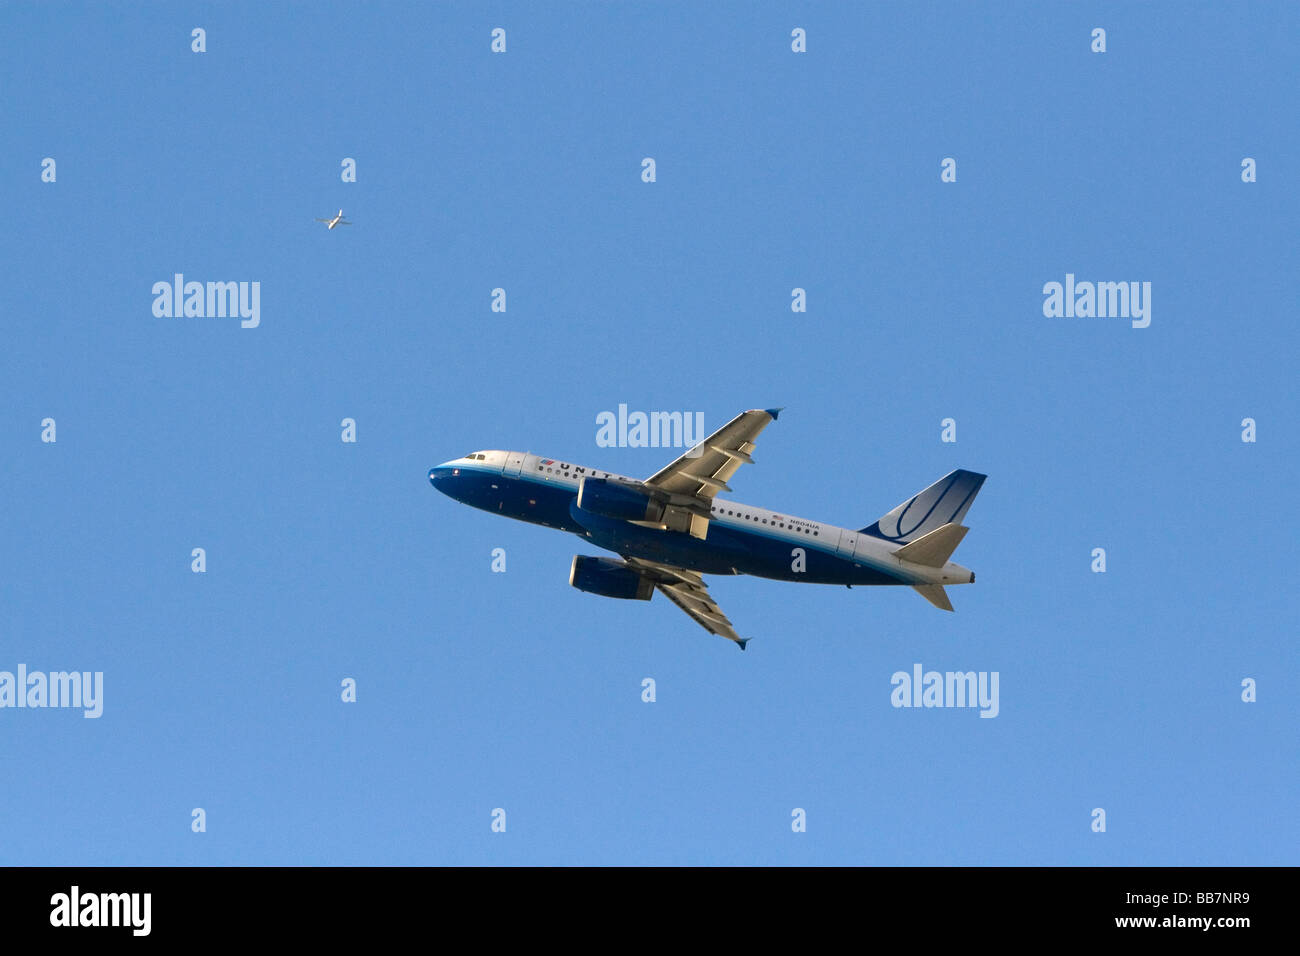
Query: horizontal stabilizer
x=935, y=594
x=934, y=549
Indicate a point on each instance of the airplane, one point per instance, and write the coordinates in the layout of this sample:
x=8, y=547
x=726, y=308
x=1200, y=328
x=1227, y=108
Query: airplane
x=336, y=221
x=671, y=529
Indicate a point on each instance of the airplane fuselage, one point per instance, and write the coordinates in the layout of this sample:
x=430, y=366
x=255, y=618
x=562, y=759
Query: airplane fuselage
x=741, y=539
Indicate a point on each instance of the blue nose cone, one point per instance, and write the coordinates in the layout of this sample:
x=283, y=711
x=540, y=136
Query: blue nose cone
x=441, y=473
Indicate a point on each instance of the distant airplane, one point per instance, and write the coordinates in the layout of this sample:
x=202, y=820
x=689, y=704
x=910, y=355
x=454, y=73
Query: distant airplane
x=669, y=529
x=336, y=221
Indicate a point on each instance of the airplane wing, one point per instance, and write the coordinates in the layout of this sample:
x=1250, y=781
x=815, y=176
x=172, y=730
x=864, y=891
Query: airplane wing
x=689, y=483
x=324, y=220
x=344, y=222
x=703, y=471
x=688, y=591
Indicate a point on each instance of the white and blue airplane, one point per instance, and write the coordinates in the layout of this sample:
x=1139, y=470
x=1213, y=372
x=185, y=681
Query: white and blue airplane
x=671, y=528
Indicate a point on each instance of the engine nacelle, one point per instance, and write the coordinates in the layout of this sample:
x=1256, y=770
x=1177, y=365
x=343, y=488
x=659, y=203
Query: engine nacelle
x=609, y=577
x=617, y=499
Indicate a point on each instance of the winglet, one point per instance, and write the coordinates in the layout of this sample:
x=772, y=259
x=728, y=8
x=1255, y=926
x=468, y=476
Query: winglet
x=742, y=641
x=774, y=412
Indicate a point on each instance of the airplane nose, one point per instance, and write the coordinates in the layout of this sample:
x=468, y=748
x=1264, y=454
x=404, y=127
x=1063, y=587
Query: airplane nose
x=441, y=472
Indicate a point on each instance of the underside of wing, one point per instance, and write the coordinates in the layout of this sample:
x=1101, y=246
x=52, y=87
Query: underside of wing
x=688, y=591
x=704, y=470
x=687, y=486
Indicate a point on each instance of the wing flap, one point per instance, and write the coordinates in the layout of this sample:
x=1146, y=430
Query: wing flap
x=705, y=469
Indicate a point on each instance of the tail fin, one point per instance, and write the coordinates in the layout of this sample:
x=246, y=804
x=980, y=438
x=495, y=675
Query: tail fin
x=944, y=502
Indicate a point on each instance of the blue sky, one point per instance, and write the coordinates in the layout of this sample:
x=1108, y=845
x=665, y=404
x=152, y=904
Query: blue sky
x=521, y=170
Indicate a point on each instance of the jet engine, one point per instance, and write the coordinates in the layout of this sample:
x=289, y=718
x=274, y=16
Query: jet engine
x=609, y=577
x=618, y=499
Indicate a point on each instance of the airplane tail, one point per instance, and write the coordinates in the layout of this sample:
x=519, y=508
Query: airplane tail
x=944, y=503
x=933, y=549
